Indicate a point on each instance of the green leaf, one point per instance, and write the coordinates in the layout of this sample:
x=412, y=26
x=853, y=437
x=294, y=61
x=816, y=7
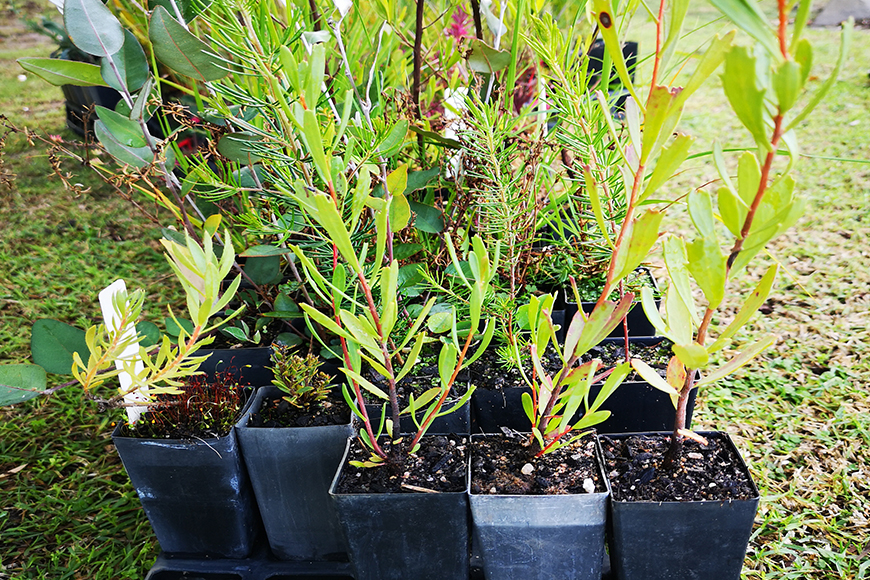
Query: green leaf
x=787, y=83
x=405, y=250
x=180, y=50
x=676, y=262
x=659, y=117
x=709, y=62
x=750, y=307
x=237, y=147
x=742, y=89
x=52, y=344
x=748, y=178
x=420, y=179
x=613, y=381
x=643, y=235
x=264, y=250
x=400, y=213
x=92, y=27
x=701, y=211
x=447, y=362
x=440, y=322
x=172, y=328
x=606, y=18
x=437, y=138
x=738, y=361
x=732, y=210
x=393, y=141
x=692, y=355
x=817, y=97
x=427, y=219
x=138, y=157
x=21, y=382
x=707, y=265
x=749, y=18
x=314, y=141
x=264, y=269
x=124, y=130
x=668, y=163
x=591, y=419
x=364, y=383
x=483, y=58
x=149, y=334
x=652, y=377
x=63, y=72
x=189, y=9
x=528, y=407
x=131, y=64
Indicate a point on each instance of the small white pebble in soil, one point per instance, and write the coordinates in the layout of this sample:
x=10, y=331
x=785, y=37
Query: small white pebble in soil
x=694, y=456
x=589, y=485
x=527, y=469
x=493, y=490
x=712, y=485
x=22, y=78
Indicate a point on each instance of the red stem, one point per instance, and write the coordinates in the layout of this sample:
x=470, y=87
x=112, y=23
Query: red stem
x=660, y=36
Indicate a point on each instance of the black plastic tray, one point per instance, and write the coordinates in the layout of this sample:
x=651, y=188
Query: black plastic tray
x=263, y=566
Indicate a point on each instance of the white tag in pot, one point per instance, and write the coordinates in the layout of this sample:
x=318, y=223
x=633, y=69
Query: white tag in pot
x=111, y=318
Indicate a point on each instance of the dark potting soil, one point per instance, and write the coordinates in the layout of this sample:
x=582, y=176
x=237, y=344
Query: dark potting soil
x=202, y=411
x=439, y=465
x=279, y=413
x=490, y=371
x=713, y=472
x=507, y=466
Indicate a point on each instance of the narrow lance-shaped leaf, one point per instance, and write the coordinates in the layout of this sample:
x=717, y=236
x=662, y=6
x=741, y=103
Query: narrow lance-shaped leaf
x=668, y=163
x=741, y=86
x=747, y=15
x=606, y=18
x=138, y=157
x=738, y=361
x=643, y=235
x=817, y=97
x=749, y=308
x=651, y=376
x=60, y=72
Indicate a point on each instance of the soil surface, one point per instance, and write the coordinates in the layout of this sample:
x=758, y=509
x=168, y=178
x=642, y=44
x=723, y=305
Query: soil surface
x=490, y=371
x=505, y=465
x=439, y=465
x=277, y=412
x=705, y=473
x=202, y=412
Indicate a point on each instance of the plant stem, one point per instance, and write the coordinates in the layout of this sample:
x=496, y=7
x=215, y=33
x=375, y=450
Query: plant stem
x=475, y=15
x=418, y=65
x=673, y=453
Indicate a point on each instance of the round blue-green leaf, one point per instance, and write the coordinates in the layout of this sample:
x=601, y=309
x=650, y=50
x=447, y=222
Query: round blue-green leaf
x=52, y=344
x=92, y=27
x=237, y=147
x=264, y=270
x=172, y=328
x=21, y=382
x=149, y=333
x=138, y=157
x=181, y=51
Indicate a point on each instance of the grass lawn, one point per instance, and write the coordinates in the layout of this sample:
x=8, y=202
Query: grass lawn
x=800, y=414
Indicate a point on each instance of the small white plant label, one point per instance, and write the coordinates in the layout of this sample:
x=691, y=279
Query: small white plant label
x=111, y=318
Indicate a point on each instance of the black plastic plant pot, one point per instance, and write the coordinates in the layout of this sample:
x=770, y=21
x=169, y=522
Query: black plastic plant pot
x=458, y=422
x=635, y=406
x=404, y=536
x=540, y=537
x=196, y=494
x=290, y=470
x=249, y=365
x=638, y=323
x=675, y=540
x=79, y=104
